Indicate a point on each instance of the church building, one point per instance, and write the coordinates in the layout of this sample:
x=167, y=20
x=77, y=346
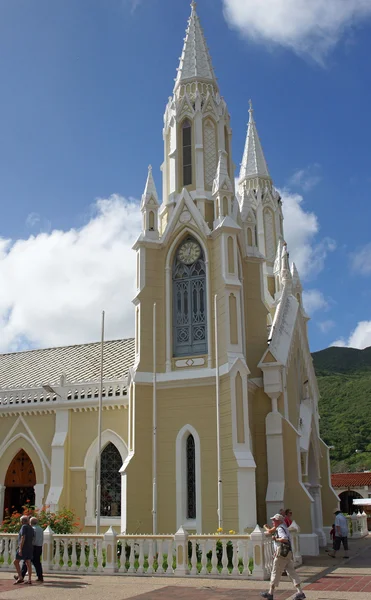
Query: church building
x=214, y=405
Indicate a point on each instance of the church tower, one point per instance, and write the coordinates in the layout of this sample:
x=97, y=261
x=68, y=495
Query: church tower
x=210, y=408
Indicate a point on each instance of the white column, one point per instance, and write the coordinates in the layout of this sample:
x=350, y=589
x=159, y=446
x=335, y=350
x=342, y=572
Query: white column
x=39, y=494
x=58, y=459
x=276, y=468
x=2, y=496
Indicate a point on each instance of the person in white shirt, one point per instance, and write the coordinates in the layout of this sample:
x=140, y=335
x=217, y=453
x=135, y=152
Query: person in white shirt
x=341, y=534
x=283, y=559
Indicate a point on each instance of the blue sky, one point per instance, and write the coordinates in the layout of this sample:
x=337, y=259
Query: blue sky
x=84, y=87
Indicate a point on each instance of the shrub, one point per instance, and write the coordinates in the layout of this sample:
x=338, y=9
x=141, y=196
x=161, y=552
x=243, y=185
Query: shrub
x=63, y=521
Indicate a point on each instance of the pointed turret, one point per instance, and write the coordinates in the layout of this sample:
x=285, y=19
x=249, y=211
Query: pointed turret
x=253, y=162
x=222, y=180
x=222, y=188
x=195, y=62
x=149, y=195
x=286, y=277
x=149, y=207
x=296, y=283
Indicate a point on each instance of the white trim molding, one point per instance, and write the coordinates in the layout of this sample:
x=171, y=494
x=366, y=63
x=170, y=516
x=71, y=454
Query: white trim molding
x=181, y=480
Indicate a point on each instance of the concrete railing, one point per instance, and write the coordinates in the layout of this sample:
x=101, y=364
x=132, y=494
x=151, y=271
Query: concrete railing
x=179, y=555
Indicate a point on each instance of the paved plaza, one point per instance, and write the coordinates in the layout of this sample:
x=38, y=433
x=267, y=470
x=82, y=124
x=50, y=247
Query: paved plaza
x=323, y=577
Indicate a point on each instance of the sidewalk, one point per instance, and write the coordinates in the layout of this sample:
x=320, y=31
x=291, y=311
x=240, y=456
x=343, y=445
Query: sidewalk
x=323, y=578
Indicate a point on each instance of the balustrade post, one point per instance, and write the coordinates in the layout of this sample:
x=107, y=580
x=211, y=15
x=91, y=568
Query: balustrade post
x=48, y=549
x=294, y=530
x=110, y=546
x=260, y=543
x=181, y=549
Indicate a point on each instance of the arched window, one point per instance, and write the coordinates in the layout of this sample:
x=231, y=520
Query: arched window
x=187, y=152
x=191, y=477
x=189, y=300
x=230, y=255
x=225, y=207
x=110, y=482
x=249, y=237
x=151, y=225
x=233, y=328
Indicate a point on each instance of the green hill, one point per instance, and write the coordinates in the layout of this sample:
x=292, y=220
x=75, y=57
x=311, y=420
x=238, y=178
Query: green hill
x=344, y=380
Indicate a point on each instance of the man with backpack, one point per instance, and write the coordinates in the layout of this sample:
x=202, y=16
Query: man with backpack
x=283, y=559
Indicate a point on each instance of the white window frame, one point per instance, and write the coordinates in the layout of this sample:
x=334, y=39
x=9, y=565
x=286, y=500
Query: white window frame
x=181, y=480
x=108, y=436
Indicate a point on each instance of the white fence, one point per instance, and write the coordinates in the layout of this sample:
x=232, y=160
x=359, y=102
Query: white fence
x=179, y=555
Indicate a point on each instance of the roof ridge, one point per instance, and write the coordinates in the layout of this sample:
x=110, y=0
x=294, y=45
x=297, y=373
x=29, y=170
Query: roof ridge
x=66, y=346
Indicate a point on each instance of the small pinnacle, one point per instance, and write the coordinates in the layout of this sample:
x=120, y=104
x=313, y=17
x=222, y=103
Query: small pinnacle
x=150, y=168
x=193, y=5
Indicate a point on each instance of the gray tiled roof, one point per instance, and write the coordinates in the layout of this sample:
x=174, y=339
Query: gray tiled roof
x=80, y=363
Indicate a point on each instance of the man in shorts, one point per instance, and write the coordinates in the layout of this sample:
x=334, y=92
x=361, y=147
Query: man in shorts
x=283, y=559
x=341, y=534
x=24, y=550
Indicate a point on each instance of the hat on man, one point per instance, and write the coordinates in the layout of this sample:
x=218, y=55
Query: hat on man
x=278, y=517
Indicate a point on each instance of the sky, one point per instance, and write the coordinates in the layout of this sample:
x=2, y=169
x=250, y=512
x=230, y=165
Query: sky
x=84, y=89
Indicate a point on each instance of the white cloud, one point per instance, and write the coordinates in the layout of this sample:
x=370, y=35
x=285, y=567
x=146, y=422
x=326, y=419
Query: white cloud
x=55, y=285
x=306, y=26
x=361, y=260
x=301, y=228
x=326, y=326
x=307, y=178
x=359, y=338
x=314, y=300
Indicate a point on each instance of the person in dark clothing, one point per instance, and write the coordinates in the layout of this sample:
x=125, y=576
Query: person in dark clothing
x=24, y=550
x=37, y=550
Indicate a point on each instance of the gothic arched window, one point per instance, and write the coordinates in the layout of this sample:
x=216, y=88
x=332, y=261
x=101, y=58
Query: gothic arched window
x=110, y=482
x=191, y=477
x=189, y=300
x=187, y=152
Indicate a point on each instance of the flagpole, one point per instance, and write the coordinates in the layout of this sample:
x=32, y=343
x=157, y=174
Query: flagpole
x=100, y=409
x=220, y=484
x=154, y=435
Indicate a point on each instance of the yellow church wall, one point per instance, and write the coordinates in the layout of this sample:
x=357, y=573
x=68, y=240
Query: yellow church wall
x=293, y=401
x=259, y=407
x=139, y=470
x=329, y=497
x=255, y=317
x=295, y=497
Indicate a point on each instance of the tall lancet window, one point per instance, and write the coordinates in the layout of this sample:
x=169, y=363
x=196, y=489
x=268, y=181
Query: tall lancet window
x=189, y=300
x=110, y=482
x=187, y=152
x=191, y=477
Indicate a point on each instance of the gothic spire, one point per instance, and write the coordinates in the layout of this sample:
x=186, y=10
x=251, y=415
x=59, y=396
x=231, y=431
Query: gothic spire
x=195, y=62
x=253, y=161
x=222, y=180
x=150, y=194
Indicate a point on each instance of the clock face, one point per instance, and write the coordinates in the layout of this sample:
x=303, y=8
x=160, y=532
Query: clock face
x=189, y=252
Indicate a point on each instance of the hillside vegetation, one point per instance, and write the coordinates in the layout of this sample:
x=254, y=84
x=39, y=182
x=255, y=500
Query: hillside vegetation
x=344, y=379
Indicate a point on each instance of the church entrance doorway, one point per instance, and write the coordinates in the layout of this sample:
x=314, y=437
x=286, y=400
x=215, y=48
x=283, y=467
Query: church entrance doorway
x=20, y=483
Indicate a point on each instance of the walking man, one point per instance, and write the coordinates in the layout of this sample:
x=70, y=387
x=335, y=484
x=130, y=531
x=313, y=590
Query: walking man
x=283, y=559
x=24, y=550
x=37, y=550
x=341, y=534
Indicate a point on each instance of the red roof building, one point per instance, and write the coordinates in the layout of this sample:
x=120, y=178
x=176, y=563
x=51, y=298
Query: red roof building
x=350, y=480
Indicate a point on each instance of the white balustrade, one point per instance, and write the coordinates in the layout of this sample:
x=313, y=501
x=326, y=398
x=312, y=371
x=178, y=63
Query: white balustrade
x=232, y=556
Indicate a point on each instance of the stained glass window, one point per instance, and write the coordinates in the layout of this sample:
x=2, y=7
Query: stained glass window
x=110, y=481
x=191, y=477
x=189, y=307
